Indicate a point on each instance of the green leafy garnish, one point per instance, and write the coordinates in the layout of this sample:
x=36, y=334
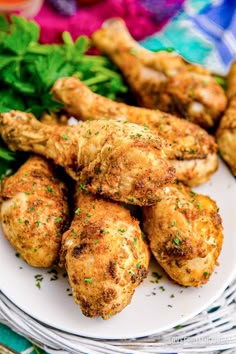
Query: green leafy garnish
x=222, y=81
x=29, y=69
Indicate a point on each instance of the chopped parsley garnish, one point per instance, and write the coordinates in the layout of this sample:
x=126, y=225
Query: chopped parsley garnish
x=39, y=279
x=138, y=265
x=121, y=230
x=178, y=327
x=134, y=244
x=143, y=235
x=134, y=51
x=88, y=280
x=176, y=241
x=64, y=136
x=58, y=219
x=192, y=194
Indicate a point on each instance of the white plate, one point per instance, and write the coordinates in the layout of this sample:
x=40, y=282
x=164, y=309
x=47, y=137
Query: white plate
x=155, y=307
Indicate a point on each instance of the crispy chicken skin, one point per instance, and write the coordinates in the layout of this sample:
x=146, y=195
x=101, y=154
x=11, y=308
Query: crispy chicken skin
x=34, y=211
x=185, y=234
x=162, y=80
x=121, y=161
x=226, y=132
x=105, y=256
x=194, y=151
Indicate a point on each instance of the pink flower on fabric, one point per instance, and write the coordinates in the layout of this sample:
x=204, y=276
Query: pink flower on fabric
x=141, y=17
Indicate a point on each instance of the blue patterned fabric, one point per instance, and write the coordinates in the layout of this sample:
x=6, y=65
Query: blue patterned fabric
x=203, y=32
x=17, y=342
x=13, y=340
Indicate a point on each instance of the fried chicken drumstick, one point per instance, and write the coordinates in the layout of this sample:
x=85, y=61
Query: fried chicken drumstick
x=162, y=80
x=226, y=132
x=105, y=256
x=34, y=211
x=118, y=160
x=194, y=151
x=185, y=234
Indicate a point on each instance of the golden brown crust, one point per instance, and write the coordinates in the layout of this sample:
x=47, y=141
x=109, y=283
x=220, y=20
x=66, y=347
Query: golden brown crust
x=226, y=132
x=34, y=211
x=231, y=81
x=185, y=234
x=162, y=80
x=195, y=96
x=105, y=256
x=121, y=161
x=188, y=140
x=190, y=144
